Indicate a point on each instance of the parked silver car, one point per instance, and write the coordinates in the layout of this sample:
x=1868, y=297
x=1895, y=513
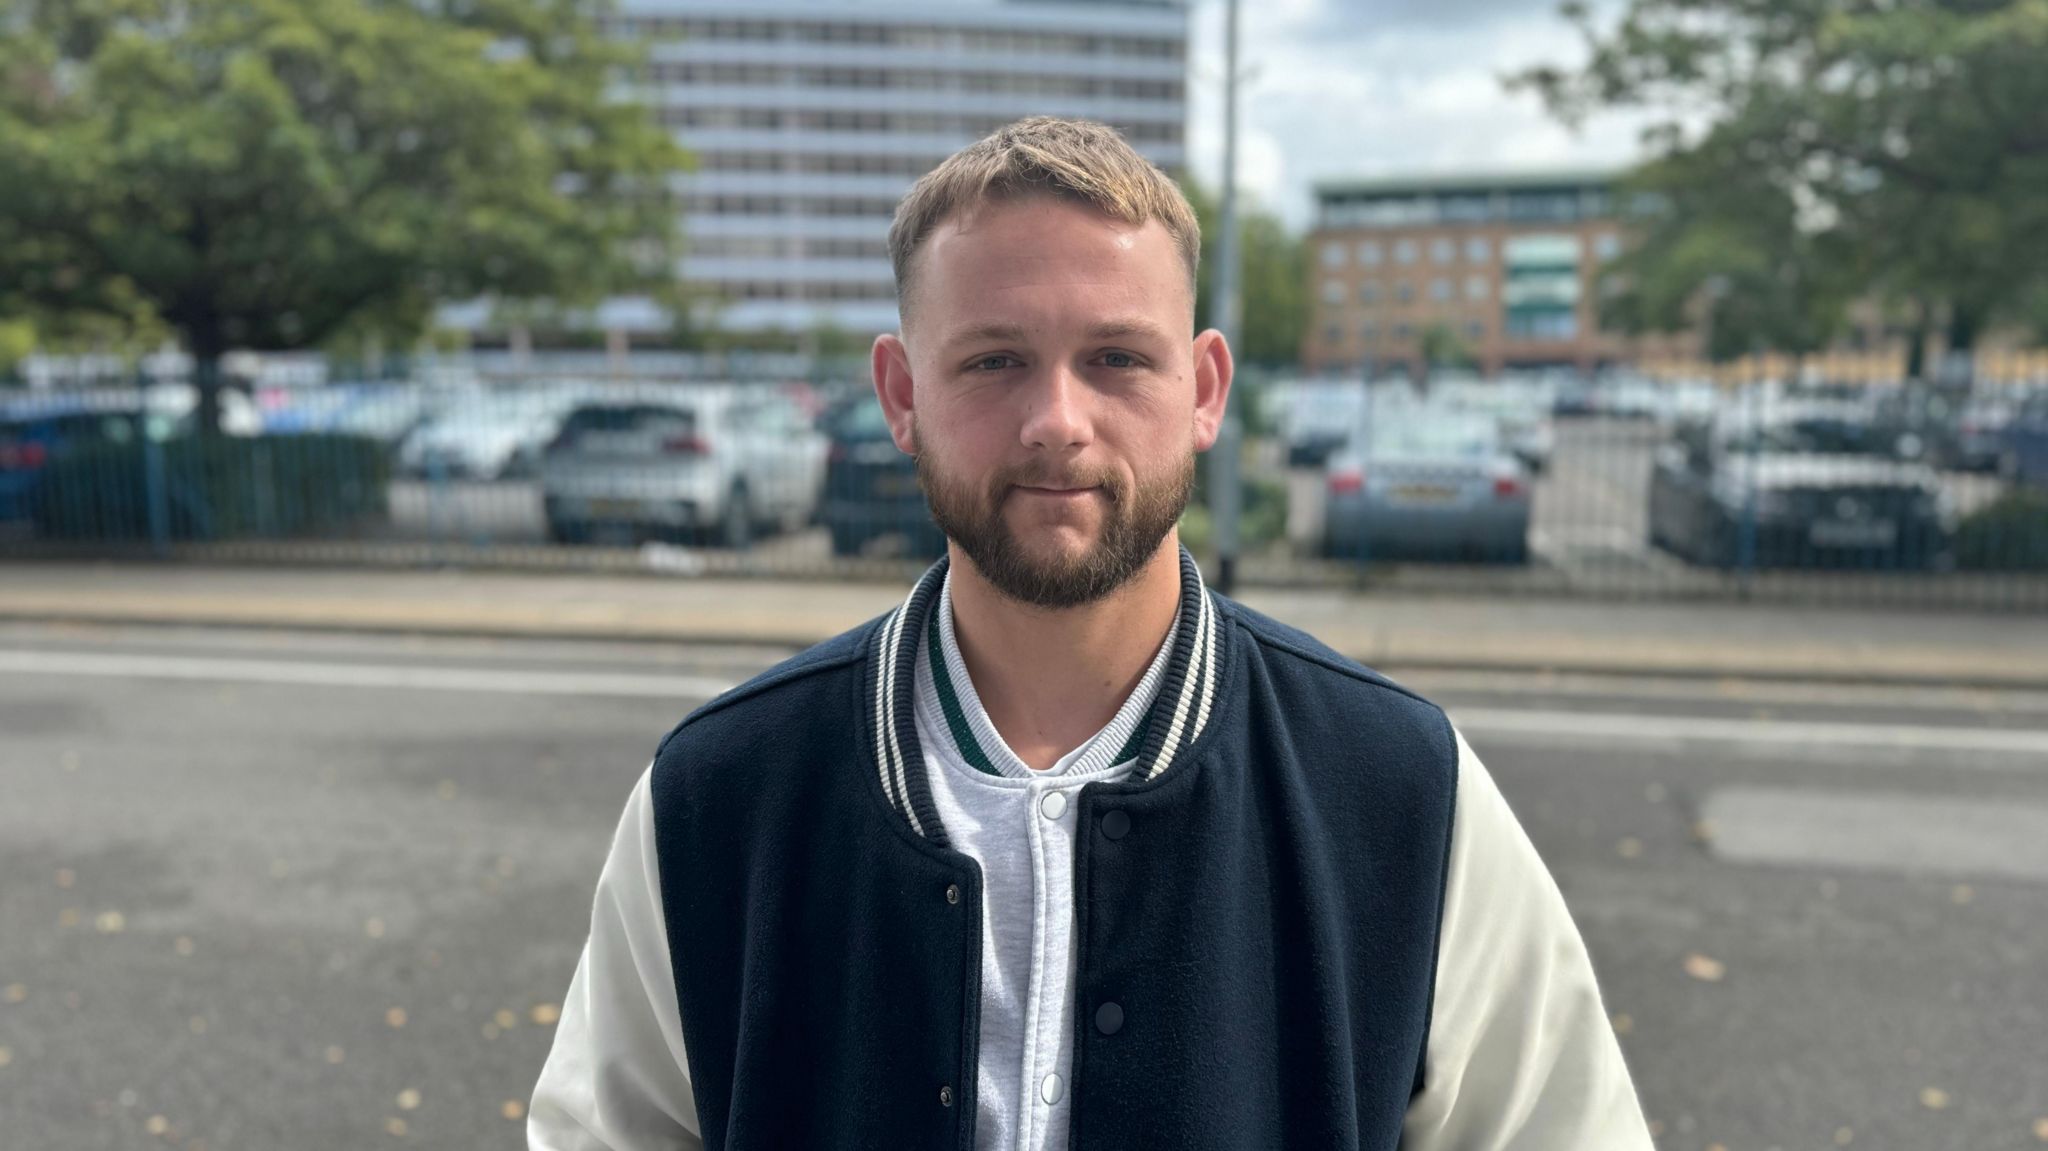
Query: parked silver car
x=705, y=464
x=1427, y=482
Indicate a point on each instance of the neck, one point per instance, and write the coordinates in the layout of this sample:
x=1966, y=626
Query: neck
x=1050, y=678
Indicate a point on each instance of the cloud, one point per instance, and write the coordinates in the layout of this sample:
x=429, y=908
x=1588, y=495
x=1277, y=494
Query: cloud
x=1342, y=89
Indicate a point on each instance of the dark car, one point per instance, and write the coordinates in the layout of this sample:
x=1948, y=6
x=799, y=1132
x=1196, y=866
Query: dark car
x=1810, y=481
x=2023, y=450
x=871, y=489
x=30, y=443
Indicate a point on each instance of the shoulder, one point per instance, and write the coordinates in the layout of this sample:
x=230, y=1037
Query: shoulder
x=807, y=688
x=1305, y=671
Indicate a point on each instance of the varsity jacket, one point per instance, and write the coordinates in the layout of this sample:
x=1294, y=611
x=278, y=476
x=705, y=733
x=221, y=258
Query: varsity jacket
x=1307, y=919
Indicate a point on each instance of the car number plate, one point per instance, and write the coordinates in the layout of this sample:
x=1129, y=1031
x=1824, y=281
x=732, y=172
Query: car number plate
x=1424, y=494
x=613, y=509
x=1853, y=533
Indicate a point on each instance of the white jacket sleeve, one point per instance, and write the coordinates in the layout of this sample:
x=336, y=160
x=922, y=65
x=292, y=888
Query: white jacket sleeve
x=1521, y=1052
x=616, y=1078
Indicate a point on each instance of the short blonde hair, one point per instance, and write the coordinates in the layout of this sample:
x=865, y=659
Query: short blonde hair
x=1075, y=160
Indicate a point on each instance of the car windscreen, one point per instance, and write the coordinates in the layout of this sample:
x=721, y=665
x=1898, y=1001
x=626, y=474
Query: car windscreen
x=1433, y=437
x=624, y=428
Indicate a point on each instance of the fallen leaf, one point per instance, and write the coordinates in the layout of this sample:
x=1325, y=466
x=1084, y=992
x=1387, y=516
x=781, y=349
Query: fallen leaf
x=491, y=1031
x=505, y=1020
x=512, y=1109
x=408, y=1100
x=1629, y=848
x=6, y=1056
x=2041, y=1130
x=1843, y=1135
x=335, y=1054
x=16, y=992
x=1623, y=1025
x=394, y=1126
x=1702, y=831
x=66, y=877
x=157, y=1125
x=196, y=1024
x=68, y=917
x=373, y=927
x=446, y=790
x=395, y=1017
x=545, y=1014
x=1704, y=969
x=1962, y=893
x=1717, y=1147
x=183, y=945
x=110, y=922
x=1933, y=1098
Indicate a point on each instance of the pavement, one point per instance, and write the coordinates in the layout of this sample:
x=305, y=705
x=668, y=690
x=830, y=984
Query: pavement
x=1392, y=631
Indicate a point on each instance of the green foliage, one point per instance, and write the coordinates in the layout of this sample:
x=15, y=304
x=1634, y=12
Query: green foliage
x=1823, y=151
x=217, y=488
x=268, y=173
x=1442, y=347
x=1272, y=282
x=1262, y=512
x=2008, y=534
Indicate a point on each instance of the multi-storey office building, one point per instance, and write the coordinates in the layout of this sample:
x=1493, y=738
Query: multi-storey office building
x=1507, y=264
x=809, y=120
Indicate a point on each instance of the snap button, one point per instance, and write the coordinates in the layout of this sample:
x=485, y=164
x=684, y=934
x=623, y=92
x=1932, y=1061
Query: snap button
x=952, y=893
x=946, y=1096
x=1051, y=1089
x=1109, y=1018
x=1054, y=804
x=1116, y=824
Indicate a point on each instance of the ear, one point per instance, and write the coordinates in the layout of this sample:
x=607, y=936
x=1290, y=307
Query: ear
x=891, y=368
x=1213, y=367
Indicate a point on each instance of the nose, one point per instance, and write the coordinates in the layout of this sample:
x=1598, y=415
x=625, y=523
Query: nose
x=1056, y=415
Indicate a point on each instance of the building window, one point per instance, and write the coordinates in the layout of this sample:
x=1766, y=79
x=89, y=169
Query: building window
x=1442, y=251
x=1404, y=331
x=1475, y=331
x=1369, y=253
x=1404, y=292
x=1404, y=251
x=1477, y=287
x=1333, y=335
x=1333, y=291
x=1333, y=255
x=1370, y=330
x=1369, y=292
x=1607, y=245
x=1478, y=249
x=1440, y=289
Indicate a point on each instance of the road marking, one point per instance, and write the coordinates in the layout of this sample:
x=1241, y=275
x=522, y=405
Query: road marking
x=1578, y=726
x=1582, y=726
x=300, y=673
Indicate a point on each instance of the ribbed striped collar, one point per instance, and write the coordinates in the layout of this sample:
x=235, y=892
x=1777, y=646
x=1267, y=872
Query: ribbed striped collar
x=1177, y=716
x=953, y=708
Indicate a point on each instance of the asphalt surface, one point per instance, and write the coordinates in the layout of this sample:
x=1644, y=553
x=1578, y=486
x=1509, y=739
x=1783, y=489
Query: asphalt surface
x=264, y=890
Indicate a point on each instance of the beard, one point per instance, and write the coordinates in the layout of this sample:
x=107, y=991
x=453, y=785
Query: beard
x=1134, y=522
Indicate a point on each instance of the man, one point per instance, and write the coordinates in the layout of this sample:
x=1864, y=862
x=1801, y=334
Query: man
x=1067, y=850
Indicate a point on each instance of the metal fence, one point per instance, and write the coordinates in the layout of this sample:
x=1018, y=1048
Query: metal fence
x=1535, y=484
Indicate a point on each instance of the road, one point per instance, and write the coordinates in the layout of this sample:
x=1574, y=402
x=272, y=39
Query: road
x=265, y=890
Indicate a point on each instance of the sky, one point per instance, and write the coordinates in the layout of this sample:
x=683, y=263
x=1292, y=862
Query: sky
x=1361, y=88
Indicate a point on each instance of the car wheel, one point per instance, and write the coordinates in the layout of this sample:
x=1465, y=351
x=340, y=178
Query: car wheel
x=846, y=541
x=739, y=519
x=567, y=531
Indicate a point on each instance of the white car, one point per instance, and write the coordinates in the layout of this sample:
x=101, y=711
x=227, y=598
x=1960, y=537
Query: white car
x=695, y=463
x=489, y=438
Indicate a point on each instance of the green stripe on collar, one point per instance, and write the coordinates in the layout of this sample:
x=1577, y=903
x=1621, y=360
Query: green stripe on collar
x=1132, y=746
x=956, y=719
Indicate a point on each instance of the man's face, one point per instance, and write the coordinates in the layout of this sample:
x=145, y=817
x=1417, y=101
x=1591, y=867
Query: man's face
x=1058, y=398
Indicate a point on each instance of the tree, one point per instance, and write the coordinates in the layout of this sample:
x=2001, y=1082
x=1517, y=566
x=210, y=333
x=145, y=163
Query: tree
x=1818, y=151
x=263, y=174
x=1272, y=280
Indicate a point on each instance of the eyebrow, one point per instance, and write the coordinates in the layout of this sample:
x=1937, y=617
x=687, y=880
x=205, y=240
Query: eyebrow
x=1014, y=334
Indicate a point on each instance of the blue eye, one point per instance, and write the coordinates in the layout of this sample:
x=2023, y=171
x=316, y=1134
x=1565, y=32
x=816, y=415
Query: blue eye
x=1120, y=360
x=992, y=363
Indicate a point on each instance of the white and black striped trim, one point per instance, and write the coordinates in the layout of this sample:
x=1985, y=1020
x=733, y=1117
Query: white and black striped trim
x=1178, y=715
